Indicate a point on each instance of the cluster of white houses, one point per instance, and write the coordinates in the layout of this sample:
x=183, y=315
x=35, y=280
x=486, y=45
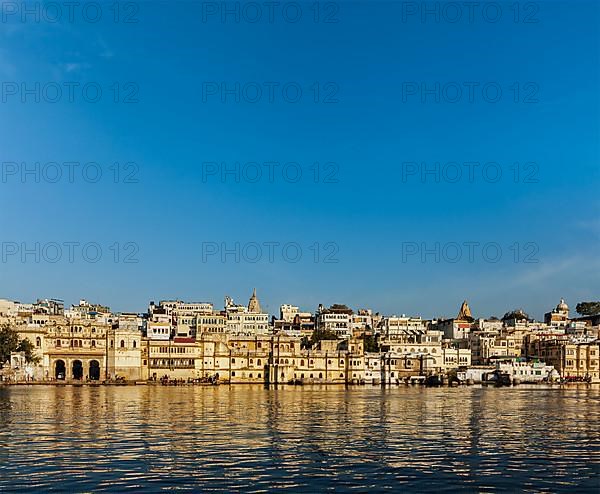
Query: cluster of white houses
x=241, y=344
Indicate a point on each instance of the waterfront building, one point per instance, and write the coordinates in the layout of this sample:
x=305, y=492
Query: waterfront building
x=73, y=348
x=455, y=358
x=574, y=359
x=528, y=372
x=487, y=345
x=176, y=359
x=124, y=355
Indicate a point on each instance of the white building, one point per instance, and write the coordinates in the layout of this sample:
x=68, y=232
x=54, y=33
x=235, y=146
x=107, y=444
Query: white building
x=287, y=312
x=250, y=321
x=337, y=319
x=158, y=330
x=528, y=372
x=394, y=327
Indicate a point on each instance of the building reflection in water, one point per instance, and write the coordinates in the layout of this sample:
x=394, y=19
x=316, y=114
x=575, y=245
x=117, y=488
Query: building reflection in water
x=299, y=438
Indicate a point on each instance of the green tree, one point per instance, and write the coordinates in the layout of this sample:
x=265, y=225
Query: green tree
x=9, y=342
x=588, y=308
x=28, y=349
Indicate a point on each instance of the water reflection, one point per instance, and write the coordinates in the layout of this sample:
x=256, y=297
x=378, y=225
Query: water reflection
x=304, y=439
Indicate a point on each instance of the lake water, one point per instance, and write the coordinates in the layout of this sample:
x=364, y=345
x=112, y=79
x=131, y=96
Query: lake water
x=300, y=439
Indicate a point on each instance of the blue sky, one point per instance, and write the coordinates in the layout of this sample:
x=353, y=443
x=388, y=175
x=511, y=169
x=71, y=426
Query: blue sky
x=363, y=210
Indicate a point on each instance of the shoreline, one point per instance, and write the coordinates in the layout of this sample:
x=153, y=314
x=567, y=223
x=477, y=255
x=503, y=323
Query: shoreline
x=275, y=385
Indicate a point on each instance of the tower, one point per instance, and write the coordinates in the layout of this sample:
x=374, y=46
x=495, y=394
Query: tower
x=254, y=304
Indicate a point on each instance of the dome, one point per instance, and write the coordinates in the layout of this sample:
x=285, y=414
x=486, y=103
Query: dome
x=562, y=306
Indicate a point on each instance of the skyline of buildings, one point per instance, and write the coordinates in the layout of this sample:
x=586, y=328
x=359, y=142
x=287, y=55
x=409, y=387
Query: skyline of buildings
x=287, y=307
x=240, y=343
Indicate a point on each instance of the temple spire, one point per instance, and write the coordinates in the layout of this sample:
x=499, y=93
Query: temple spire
x=254, y=304
x=464, y=312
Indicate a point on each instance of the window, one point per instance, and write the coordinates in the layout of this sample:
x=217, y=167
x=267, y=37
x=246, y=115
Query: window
x=134, y=344
x=122, y=343
x=38, y=342
x=93, y=343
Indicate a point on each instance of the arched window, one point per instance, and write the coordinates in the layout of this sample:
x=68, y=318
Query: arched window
x=57, y=342
x=38, y=342
x=134, y=344
x=93, y=343
x=112, y=343
x=122, y=343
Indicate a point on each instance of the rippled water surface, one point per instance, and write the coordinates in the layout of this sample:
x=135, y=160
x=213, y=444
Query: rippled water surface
x=305, y=439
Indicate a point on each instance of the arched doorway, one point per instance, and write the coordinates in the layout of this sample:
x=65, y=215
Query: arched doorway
x=94, y=370
x=77, y=369
x=60, y=370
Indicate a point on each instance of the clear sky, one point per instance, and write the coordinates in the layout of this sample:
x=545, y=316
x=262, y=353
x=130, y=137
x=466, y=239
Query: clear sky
x=353, y=90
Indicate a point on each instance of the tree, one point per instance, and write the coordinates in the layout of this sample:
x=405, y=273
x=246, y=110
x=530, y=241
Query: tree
x=318, y=335
x=10, y=342
x=29, y=350
x=515, y=314
x=588, y=308
x=305, y=343
x=370, y=343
